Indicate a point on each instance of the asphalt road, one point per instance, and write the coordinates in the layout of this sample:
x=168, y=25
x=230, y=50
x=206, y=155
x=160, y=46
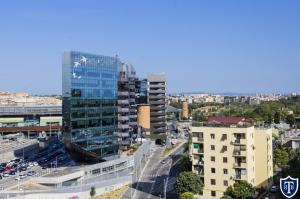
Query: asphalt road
x=158, y=179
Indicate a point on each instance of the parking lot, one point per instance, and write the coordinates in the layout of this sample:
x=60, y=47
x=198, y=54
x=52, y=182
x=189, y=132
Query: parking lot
x=18, y=170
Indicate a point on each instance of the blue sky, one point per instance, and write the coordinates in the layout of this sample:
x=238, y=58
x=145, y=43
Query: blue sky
x=214, y=46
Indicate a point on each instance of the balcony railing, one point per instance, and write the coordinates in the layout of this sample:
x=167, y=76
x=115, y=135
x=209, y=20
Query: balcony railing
x=198, y=139
x=239, y=153
x=200, y=163
x=123, y=102
x=198, y=151
x=240, y=165
x=239, y=142
x=239, y=177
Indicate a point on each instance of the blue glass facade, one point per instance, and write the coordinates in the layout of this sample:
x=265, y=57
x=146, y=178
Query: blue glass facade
x=90, y=113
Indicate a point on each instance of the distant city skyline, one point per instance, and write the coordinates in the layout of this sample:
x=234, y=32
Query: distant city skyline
x=209, y=46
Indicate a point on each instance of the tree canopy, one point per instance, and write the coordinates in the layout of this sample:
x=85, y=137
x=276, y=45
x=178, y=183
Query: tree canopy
x=188, y=182
x=281, y=157
x=240, y=190
x=187, y=195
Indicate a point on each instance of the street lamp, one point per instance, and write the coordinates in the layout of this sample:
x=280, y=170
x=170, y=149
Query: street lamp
x=132, y=173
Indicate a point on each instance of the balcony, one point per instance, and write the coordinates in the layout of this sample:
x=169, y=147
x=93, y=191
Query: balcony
x=162, y=102
x=124, y=93
x=200, y=163
x=156, y=91
x=198, y=139
x=123, y=134
x=198, y=151
x=200, y=173
x=123, y=110
x=123, y=126
x=132, y=123
x=123, y=118
x=239, y=177
x=239, y=153
x=239, y=142
x=123, y=102
x=240, y=165
x=157, y=97
x=124, y=142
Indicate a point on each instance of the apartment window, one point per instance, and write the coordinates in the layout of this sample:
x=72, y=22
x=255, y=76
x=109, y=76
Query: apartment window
x=212, y=158
x=212, y=147
x=225, y=183
x=224, y=136
x=225, y=171
x=212, y=136
x=213, y=193
x=224, y=148
x=213, y=170
x=224, y=159
x=213, y=181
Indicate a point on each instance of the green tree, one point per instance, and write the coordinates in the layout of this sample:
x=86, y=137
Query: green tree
x=226, y=197
x=281, y=157
x=92, y=192
x=185, y=163
x=188, y=182
x=240, y=190
x=187, y=195
x=290, y=120
x=277, y=117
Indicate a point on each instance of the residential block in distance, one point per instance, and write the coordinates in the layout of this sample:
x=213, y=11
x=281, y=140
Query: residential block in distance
x=226, y=150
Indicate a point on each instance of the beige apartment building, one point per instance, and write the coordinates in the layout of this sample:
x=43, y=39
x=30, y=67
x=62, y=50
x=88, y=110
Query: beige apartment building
x=225, y=151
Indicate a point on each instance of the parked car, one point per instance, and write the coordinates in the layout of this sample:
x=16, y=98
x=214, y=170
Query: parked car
x=22, y=176
x=12, y=172
x=22, y=168
x=30, y=173
x=273, y=189
x=36, y=164
x=1, y=169
x=8, y=168
x=6, y=174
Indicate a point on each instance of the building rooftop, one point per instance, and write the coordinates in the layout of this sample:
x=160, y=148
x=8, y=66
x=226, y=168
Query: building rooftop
x=226, y=120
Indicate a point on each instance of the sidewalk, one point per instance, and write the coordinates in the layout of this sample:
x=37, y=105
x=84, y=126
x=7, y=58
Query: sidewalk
x=169, y=151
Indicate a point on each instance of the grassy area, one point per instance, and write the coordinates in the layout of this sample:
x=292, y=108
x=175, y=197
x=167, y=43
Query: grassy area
x=169, y=150
x=116, y=194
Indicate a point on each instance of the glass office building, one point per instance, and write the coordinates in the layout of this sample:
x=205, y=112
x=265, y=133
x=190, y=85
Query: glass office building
x=90, y=111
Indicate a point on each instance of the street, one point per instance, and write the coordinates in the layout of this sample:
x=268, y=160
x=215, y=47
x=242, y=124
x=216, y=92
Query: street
x=158, y=178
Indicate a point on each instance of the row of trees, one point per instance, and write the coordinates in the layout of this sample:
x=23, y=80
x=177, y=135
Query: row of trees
x=267, y=112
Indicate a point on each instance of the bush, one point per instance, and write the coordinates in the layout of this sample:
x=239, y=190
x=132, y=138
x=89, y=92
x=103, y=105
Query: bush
x=187, y=195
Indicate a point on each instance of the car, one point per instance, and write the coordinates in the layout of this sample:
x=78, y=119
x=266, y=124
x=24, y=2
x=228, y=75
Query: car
x=3, y=164
x=1, y=177
x=5, y=174
x=22, y=175
x=35, y=164
x=8, y=168
x=273, y=188
x=1, y=169
x=12, y=172
x=30, y=164
x=30, y=173
x=22, y=168
x=163, y=161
